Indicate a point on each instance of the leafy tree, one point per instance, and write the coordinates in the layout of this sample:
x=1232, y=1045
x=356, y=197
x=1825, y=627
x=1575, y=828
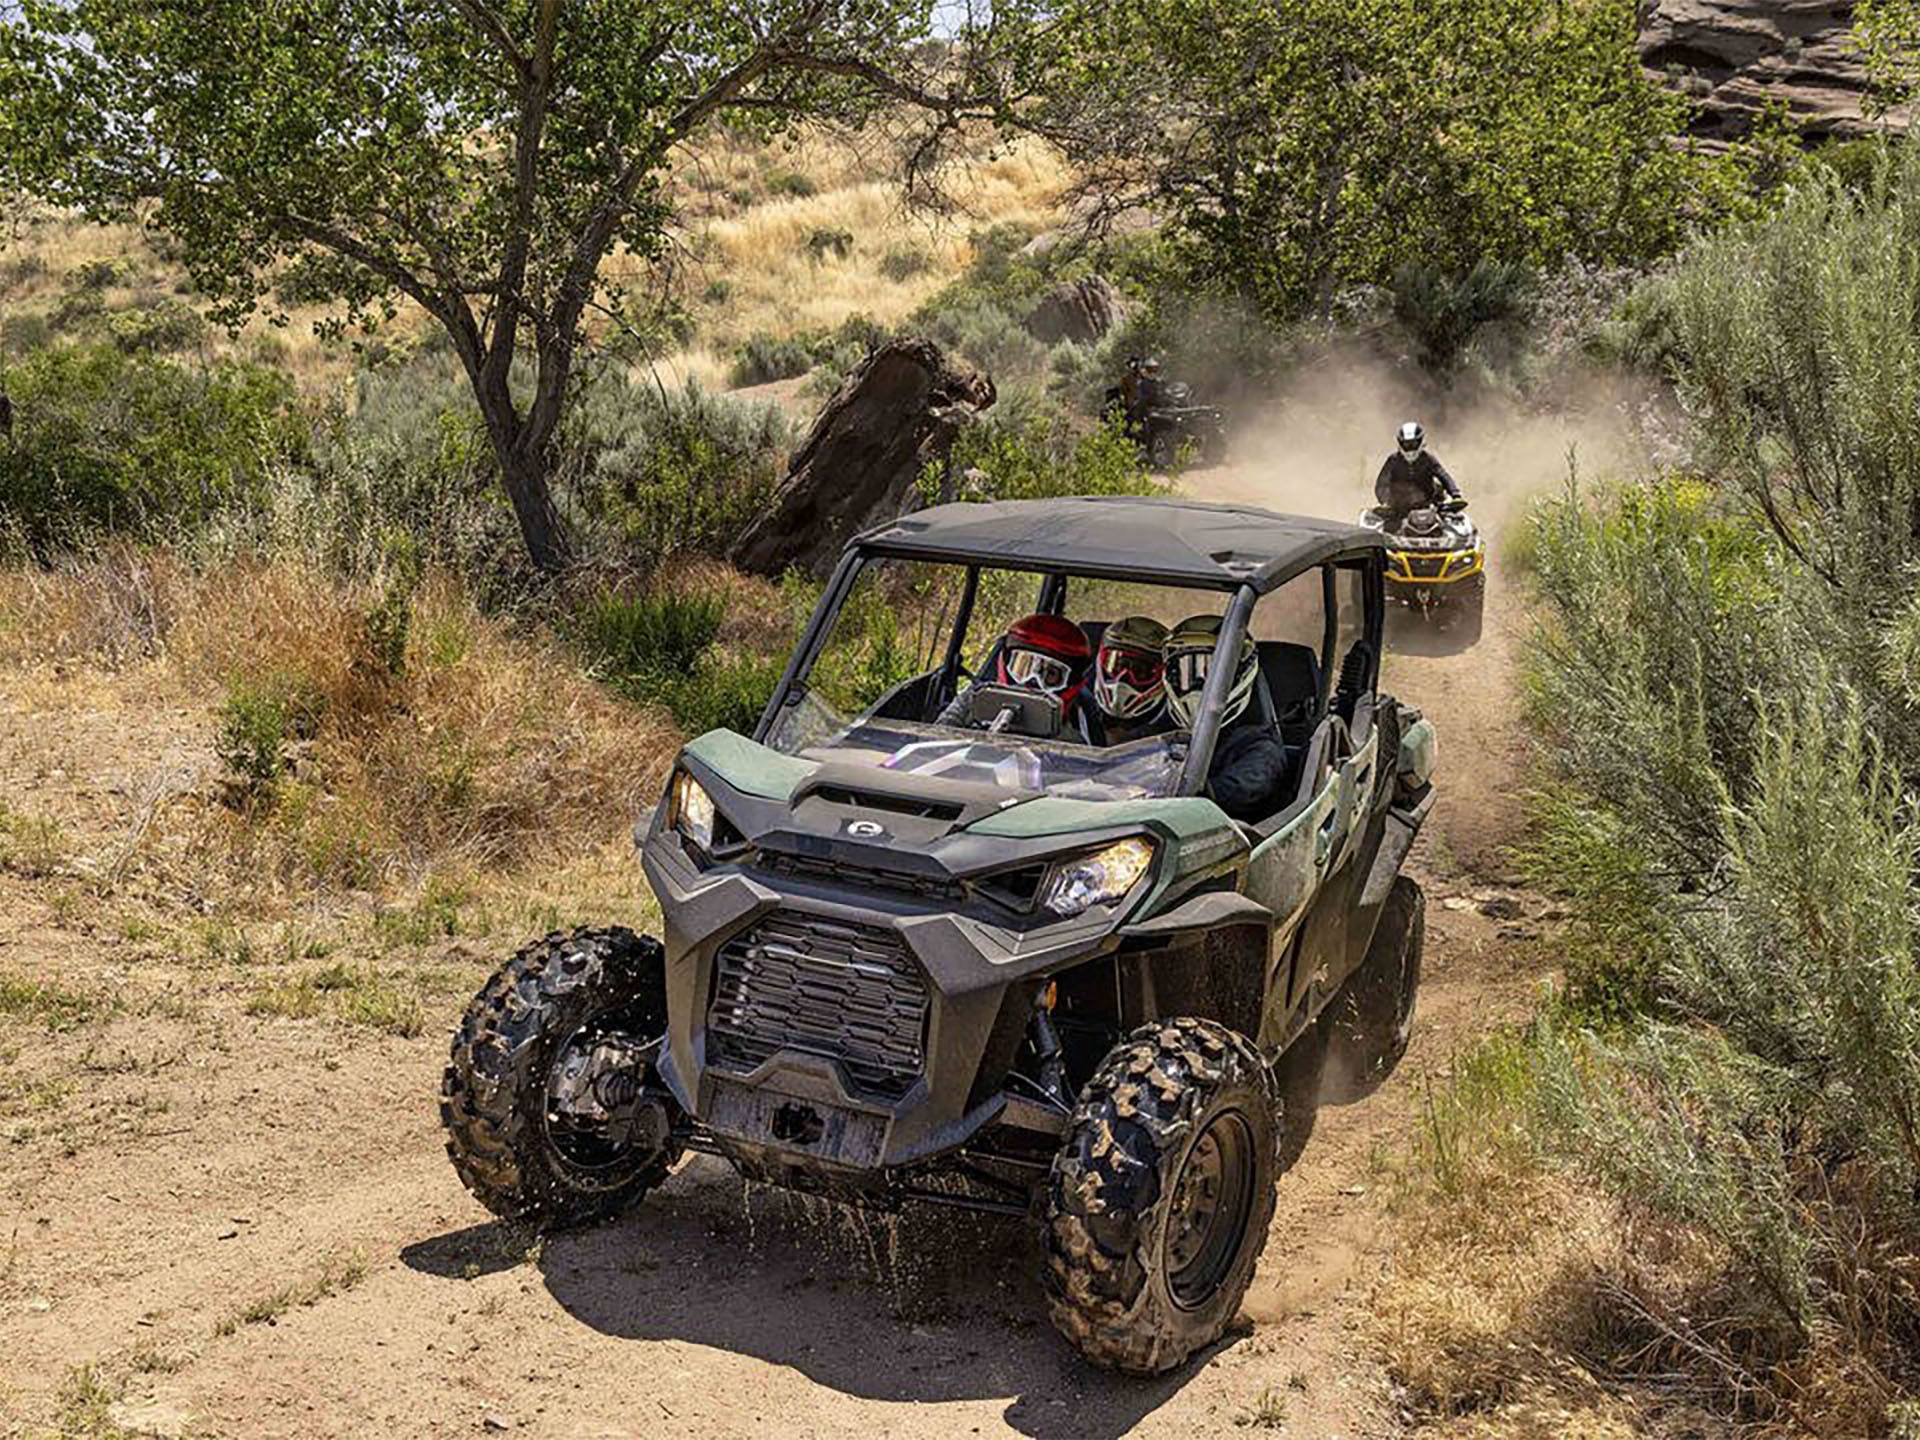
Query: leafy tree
x=482, y=158
x=1303, y=145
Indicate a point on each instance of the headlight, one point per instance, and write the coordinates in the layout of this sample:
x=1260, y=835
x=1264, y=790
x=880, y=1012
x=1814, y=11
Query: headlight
x=691, y=810
x=1099, y=878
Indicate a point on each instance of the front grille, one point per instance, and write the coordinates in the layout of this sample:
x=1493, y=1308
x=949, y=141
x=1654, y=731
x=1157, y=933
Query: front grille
x=843, y=990
x=1424, y=567
x=808, y=867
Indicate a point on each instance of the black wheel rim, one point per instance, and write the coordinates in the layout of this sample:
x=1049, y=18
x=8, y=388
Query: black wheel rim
x=595, y=1154
x=1212, y=1204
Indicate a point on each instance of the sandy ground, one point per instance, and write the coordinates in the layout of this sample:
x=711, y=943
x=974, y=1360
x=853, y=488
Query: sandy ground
x=247, y=1224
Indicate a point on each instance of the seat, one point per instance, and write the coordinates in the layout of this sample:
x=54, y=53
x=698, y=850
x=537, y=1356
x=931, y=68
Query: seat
x=1292, y=675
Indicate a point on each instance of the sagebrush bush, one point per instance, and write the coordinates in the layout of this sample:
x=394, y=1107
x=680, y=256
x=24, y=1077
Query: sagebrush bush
x=762, y=359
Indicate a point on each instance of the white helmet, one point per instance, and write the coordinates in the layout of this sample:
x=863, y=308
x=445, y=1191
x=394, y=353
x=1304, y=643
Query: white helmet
x=1412, y=439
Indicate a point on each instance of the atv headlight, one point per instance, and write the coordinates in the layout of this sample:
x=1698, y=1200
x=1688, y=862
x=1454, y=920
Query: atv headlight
x=1099, y=878
x=691, y=810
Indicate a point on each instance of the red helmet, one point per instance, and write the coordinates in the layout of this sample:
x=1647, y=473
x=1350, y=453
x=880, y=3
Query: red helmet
x=1048, y=653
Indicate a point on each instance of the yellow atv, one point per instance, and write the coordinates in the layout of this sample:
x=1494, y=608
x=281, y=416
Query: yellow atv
x=1436, y=564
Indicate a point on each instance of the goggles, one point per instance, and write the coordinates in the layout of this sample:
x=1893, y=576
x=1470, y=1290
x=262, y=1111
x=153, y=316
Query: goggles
x=1033, y=670
x=1187, y=670
x=1137, y=667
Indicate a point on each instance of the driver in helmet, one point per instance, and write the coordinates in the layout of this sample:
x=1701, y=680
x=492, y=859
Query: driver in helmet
x=1047, y=653
x=1250, y=762
x=1129, y=673
x=1413, y=476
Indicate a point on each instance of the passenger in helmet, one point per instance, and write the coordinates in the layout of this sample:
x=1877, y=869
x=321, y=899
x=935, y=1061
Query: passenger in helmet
x=1251, y=764
x=1129, y=673
x=1048, y=654
x=1412, y=476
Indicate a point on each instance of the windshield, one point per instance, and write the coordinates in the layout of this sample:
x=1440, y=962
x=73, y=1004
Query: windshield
x=812, y=730
x=995, y=677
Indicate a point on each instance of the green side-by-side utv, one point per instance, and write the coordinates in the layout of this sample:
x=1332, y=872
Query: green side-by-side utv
x=988, y=963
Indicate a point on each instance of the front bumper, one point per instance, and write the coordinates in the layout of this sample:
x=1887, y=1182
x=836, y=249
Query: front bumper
x=1422, y=568
x=900, y=1086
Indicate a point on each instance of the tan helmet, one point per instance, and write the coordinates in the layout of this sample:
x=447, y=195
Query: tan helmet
x=1130, y=667
x=1189, y=655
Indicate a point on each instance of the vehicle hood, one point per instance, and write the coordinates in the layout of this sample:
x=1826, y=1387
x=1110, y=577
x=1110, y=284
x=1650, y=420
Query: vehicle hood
x=821, y=817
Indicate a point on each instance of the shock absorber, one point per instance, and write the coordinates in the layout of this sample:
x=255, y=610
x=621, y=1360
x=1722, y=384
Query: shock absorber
x=1046, y=1045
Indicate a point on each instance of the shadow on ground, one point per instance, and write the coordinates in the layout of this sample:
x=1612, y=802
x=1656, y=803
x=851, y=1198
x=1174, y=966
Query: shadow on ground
x=930, y=1307
x=1429, y=636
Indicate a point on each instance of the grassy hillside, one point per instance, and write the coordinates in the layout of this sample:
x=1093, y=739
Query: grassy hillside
x=777, y=241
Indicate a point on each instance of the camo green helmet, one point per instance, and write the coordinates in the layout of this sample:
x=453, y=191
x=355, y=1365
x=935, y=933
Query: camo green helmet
x=1190, y=648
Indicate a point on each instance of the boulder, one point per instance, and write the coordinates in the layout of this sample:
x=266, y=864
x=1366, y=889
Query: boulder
x=1079, y=310
x=895, y=413
x=1735, y=57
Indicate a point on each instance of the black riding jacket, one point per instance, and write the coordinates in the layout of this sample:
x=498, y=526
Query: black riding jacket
x=1405, y=484
x=1249, y=772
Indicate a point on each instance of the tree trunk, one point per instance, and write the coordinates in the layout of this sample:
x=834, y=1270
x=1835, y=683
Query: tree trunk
x=895, y=413
x=526, y=481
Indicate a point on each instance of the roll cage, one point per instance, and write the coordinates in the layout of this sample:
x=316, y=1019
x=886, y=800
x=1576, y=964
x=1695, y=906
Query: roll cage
x=1245, y=577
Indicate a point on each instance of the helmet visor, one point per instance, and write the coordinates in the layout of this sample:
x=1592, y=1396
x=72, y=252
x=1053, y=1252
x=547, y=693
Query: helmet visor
x=1138, y=668
x=1032, y=670
x=1187, y=670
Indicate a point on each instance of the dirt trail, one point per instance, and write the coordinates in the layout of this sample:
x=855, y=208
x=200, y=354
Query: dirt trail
x=249, y=1224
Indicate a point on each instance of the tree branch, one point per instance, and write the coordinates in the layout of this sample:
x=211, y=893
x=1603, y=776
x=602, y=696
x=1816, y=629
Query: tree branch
x=489, y=28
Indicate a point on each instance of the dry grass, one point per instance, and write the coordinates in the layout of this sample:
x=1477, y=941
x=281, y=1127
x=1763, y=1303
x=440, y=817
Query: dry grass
x=44, y=252
x=776, y=285
x=489, y=749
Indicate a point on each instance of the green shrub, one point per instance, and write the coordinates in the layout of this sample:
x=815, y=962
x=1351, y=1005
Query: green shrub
x=828, y=240
x=25, y=330
x=900, y=265
x=158, y=328
x=109, y=442
x=1034, y=455
x=654, y=473
x=259, y=722
x=1443, y=311
x=724, y=694
x=791, y=184
x=636, y=643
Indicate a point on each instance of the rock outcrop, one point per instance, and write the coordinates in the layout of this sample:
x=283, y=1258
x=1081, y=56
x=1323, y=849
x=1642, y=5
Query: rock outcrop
x=895, y=413
x=1736, y=57
x=1081, y=310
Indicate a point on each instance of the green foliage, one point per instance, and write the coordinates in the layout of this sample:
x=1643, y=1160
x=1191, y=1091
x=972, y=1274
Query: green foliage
x=1300, y=149
x=791, y=184
x=480, y=161
x=659, y=648
x=653, y=472
x=762, y=359
x=159, y=328
x=1442, y=311
x=635, y=643
x=725, y=694
x=1888, y=35
x=1024, y=452
x=260, y=721
x=1797, y=352
x=901, y=265
x=106, y=442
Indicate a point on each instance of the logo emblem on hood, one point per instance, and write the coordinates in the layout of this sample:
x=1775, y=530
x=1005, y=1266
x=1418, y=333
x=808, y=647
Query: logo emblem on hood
x=865, y=829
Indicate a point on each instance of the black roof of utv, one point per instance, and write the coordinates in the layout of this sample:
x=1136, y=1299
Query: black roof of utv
x=1177, y=542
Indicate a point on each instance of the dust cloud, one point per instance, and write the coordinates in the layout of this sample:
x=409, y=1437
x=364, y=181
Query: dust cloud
x=1314, y=446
